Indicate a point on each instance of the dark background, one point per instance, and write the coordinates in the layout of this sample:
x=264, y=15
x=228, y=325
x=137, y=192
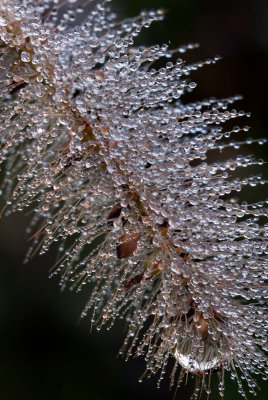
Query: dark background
x=44, y=352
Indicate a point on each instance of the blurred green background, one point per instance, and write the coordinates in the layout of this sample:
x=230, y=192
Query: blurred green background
x=44, y=352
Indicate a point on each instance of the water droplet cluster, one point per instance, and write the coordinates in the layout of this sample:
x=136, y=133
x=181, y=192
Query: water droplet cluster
x=123, y=175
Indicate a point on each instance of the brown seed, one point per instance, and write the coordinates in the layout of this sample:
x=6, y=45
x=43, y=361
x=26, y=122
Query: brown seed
x=87, y=133
x=201, y=326
x=132, y=196
x=115, y=212
x=164, y=224
x=99, y=76
x=16, y=86
x=128, y=245
x=133, y=281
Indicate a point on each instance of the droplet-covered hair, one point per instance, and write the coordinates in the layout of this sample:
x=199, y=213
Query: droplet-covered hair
x=96, y=138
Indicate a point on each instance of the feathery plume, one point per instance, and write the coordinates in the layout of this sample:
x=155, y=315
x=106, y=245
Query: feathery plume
x=120, y=171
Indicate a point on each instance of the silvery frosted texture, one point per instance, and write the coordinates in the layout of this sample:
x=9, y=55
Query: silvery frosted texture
x=125, y=177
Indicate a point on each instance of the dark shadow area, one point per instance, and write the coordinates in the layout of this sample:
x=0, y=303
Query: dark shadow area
x=45, y=354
